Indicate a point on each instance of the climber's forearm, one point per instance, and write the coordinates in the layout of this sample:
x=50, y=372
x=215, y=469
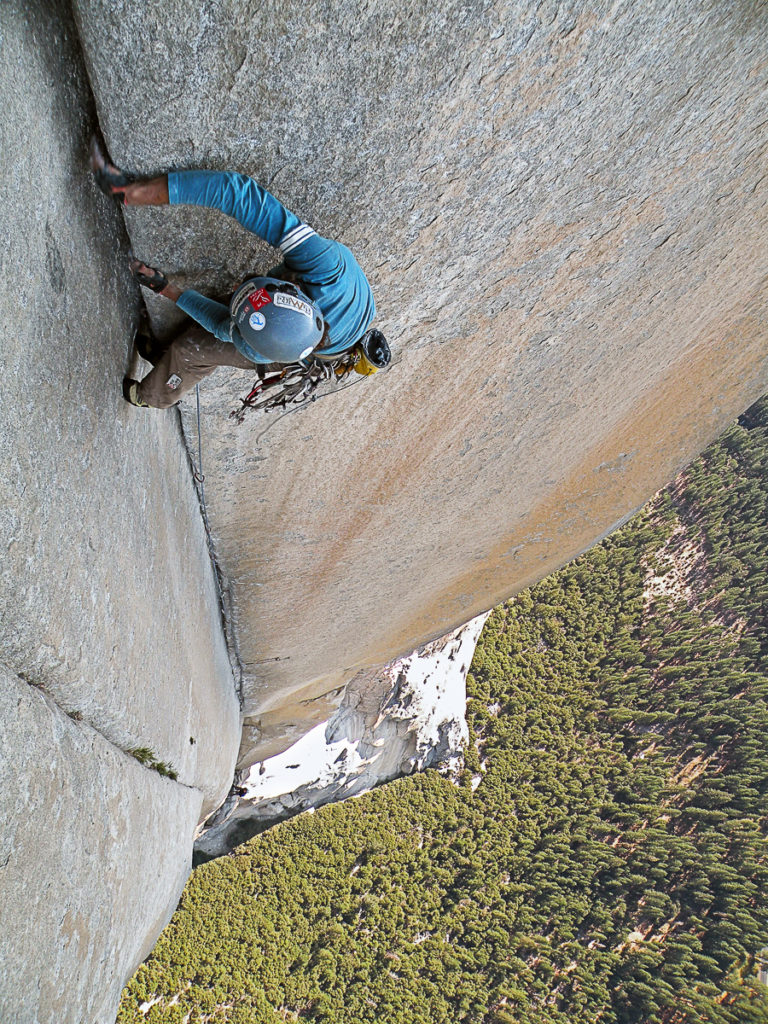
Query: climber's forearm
x=172, y=292
x=153, y=192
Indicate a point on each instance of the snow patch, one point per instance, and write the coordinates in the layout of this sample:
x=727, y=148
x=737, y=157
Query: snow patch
x=394, y=721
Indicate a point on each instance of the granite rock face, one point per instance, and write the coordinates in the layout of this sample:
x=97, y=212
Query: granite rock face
x=94, y=853
x=108, y=597
x=394, y=721
x=109, y=611
x=562, y=210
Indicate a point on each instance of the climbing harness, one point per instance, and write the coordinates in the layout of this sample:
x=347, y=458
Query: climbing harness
x=293, y=385
x=298, y=383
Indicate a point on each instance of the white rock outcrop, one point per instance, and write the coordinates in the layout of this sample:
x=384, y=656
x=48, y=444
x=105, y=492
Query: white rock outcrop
x=404, y=718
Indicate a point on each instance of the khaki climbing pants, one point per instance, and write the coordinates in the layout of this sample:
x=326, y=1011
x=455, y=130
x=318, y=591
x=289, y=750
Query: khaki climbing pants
x=189, y=358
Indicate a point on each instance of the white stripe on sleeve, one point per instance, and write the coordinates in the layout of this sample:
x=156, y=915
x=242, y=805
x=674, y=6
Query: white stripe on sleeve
x=295, y=237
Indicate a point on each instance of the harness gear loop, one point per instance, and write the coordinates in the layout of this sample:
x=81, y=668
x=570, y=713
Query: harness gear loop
x=297, y=383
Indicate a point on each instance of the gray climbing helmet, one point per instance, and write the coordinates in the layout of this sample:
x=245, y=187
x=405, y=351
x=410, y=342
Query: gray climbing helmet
x=276, y=320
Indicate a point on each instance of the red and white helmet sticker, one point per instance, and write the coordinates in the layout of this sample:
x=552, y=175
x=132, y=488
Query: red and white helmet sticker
x=259, y=298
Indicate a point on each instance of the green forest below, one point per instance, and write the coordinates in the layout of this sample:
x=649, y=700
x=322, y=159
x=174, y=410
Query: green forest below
x=601, y=857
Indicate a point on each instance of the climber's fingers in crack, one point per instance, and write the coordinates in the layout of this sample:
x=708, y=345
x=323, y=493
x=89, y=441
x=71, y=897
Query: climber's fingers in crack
x=110, y=179
x=150, y=277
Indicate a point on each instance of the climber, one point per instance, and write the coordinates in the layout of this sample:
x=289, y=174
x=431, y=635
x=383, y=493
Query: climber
x=317, y=303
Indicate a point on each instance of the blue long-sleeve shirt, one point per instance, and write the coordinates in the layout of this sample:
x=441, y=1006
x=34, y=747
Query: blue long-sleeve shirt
x=329, y=274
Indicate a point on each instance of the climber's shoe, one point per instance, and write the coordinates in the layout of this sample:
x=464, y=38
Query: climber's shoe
x=131, y=393
x=147, y=345
x=151, y=278
x=148, y=348
x=110, y=179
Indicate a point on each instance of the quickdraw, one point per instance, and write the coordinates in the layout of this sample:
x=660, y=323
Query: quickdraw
x=295, y=384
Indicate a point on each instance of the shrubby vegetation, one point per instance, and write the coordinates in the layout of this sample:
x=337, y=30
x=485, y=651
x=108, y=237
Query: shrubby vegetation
x=601, y=858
